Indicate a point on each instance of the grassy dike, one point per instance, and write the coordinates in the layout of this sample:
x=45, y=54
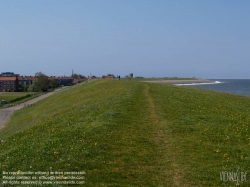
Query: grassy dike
x=129, y=133
x=20, y=97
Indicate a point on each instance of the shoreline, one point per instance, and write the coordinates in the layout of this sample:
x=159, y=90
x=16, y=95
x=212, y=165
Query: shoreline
x=181, y=81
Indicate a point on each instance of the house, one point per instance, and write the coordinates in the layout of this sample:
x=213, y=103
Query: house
x=8, y=83
x=91, y=77
x=109, y=77
x=30, y=79
x=11, y=83
x=79, y=80
x=8, y=74
x=26, y=80
x=62, y=81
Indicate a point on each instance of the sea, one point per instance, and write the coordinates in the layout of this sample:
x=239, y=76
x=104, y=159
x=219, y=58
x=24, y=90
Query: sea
x=234, y=86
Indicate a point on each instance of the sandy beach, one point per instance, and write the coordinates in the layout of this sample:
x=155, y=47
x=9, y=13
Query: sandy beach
x=182, y=81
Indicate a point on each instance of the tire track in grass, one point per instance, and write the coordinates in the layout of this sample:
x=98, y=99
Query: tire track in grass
x=161, y=137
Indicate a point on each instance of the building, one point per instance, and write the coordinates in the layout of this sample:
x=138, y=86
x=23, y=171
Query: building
x=79, y=80
x=109, y=77
x=26, y=80
x=8, y=83
x=91, y=77
x=8, y=74
x=62, y=81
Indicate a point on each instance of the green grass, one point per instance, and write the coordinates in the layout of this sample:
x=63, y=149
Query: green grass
x=129, y=133
x=8, y=96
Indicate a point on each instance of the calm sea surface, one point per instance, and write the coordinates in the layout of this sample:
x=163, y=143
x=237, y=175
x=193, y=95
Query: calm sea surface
x=234, y=86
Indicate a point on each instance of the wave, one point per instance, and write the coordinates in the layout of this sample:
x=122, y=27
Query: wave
x=192, y=84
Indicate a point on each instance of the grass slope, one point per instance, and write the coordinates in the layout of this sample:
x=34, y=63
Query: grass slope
x=9, y=96
x=128, y=133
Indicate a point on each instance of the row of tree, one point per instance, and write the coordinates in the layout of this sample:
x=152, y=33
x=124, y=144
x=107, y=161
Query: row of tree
x=78, y=76
x=41, y=83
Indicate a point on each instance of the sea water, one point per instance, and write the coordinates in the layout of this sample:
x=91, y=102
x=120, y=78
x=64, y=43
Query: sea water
x=234, y=86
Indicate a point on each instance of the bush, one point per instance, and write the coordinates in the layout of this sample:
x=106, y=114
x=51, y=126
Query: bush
x=20, y=98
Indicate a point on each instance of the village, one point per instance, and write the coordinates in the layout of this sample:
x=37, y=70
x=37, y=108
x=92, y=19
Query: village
x=11, y=82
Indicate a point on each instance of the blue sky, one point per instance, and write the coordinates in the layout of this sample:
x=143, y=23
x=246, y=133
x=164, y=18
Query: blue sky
x=151, y=38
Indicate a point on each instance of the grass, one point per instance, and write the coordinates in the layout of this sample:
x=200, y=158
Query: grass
x=8, y=96
x=129, y=133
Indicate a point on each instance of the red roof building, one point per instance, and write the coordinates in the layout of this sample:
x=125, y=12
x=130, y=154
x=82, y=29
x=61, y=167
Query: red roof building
x=9, y=84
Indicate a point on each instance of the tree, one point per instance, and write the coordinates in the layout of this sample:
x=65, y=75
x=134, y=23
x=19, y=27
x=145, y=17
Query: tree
x=20, y=87
x=77, y=76
x=74, y=76
x=53, y=84
x=81, y=76
x=33, y=87
x=26, y=88
x=43, y=82
x=111, y=75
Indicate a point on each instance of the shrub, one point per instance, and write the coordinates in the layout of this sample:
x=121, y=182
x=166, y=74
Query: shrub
x=20, y=98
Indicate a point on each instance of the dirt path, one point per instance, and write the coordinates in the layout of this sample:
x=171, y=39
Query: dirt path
x=6, y=112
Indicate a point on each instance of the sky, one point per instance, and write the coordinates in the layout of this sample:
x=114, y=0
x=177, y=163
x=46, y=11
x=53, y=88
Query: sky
x=149, y=38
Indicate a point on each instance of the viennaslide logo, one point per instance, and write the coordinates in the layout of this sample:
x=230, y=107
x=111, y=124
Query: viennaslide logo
x=234, y=176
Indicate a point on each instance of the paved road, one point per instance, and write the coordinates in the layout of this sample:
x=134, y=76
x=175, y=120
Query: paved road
x=6, y=112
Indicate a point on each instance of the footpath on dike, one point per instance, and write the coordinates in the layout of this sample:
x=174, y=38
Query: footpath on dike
x=5, y=113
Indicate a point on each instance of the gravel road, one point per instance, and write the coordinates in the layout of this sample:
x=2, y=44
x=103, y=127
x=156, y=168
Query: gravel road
x=5, y=113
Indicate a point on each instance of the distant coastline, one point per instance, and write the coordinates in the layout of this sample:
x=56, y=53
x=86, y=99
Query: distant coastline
x=182, y=81
x=232, y=86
